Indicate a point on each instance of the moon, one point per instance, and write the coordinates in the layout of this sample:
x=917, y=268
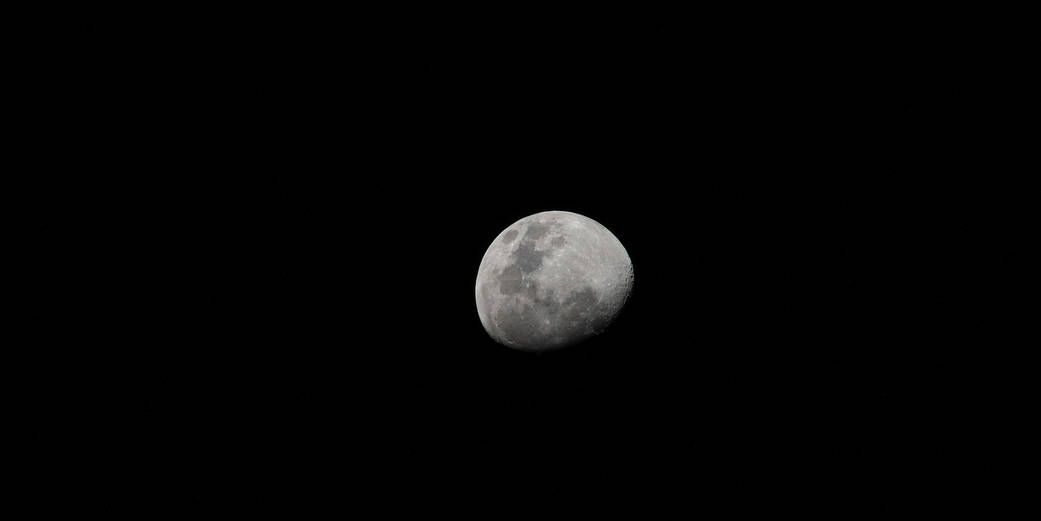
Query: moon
x=551, y=280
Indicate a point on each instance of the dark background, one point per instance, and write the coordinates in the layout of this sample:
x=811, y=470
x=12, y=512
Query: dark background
x=313, y=201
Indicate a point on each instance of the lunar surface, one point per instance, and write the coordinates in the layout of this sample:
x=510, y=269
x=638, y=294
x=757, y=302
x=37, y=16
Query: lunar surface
x=551, y=280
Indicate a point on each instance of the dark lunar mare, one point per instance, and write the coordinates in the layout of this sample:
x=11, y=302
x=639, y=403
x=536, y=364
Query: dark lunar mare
x=511, y=280
x=526, y=259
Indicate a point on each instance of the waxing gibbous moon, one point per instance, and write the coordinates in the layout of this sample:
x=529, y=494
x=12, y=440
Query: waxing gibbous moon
x=551, y=280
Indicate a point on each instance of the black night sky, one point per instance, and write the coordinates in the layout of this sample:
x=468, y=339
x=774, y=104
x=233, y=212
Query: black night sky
x=319, y=201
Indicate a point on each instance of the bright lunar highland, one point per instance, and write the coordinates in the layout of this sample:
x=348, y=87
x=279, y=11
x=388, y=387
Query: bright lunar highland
x=551, y=280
